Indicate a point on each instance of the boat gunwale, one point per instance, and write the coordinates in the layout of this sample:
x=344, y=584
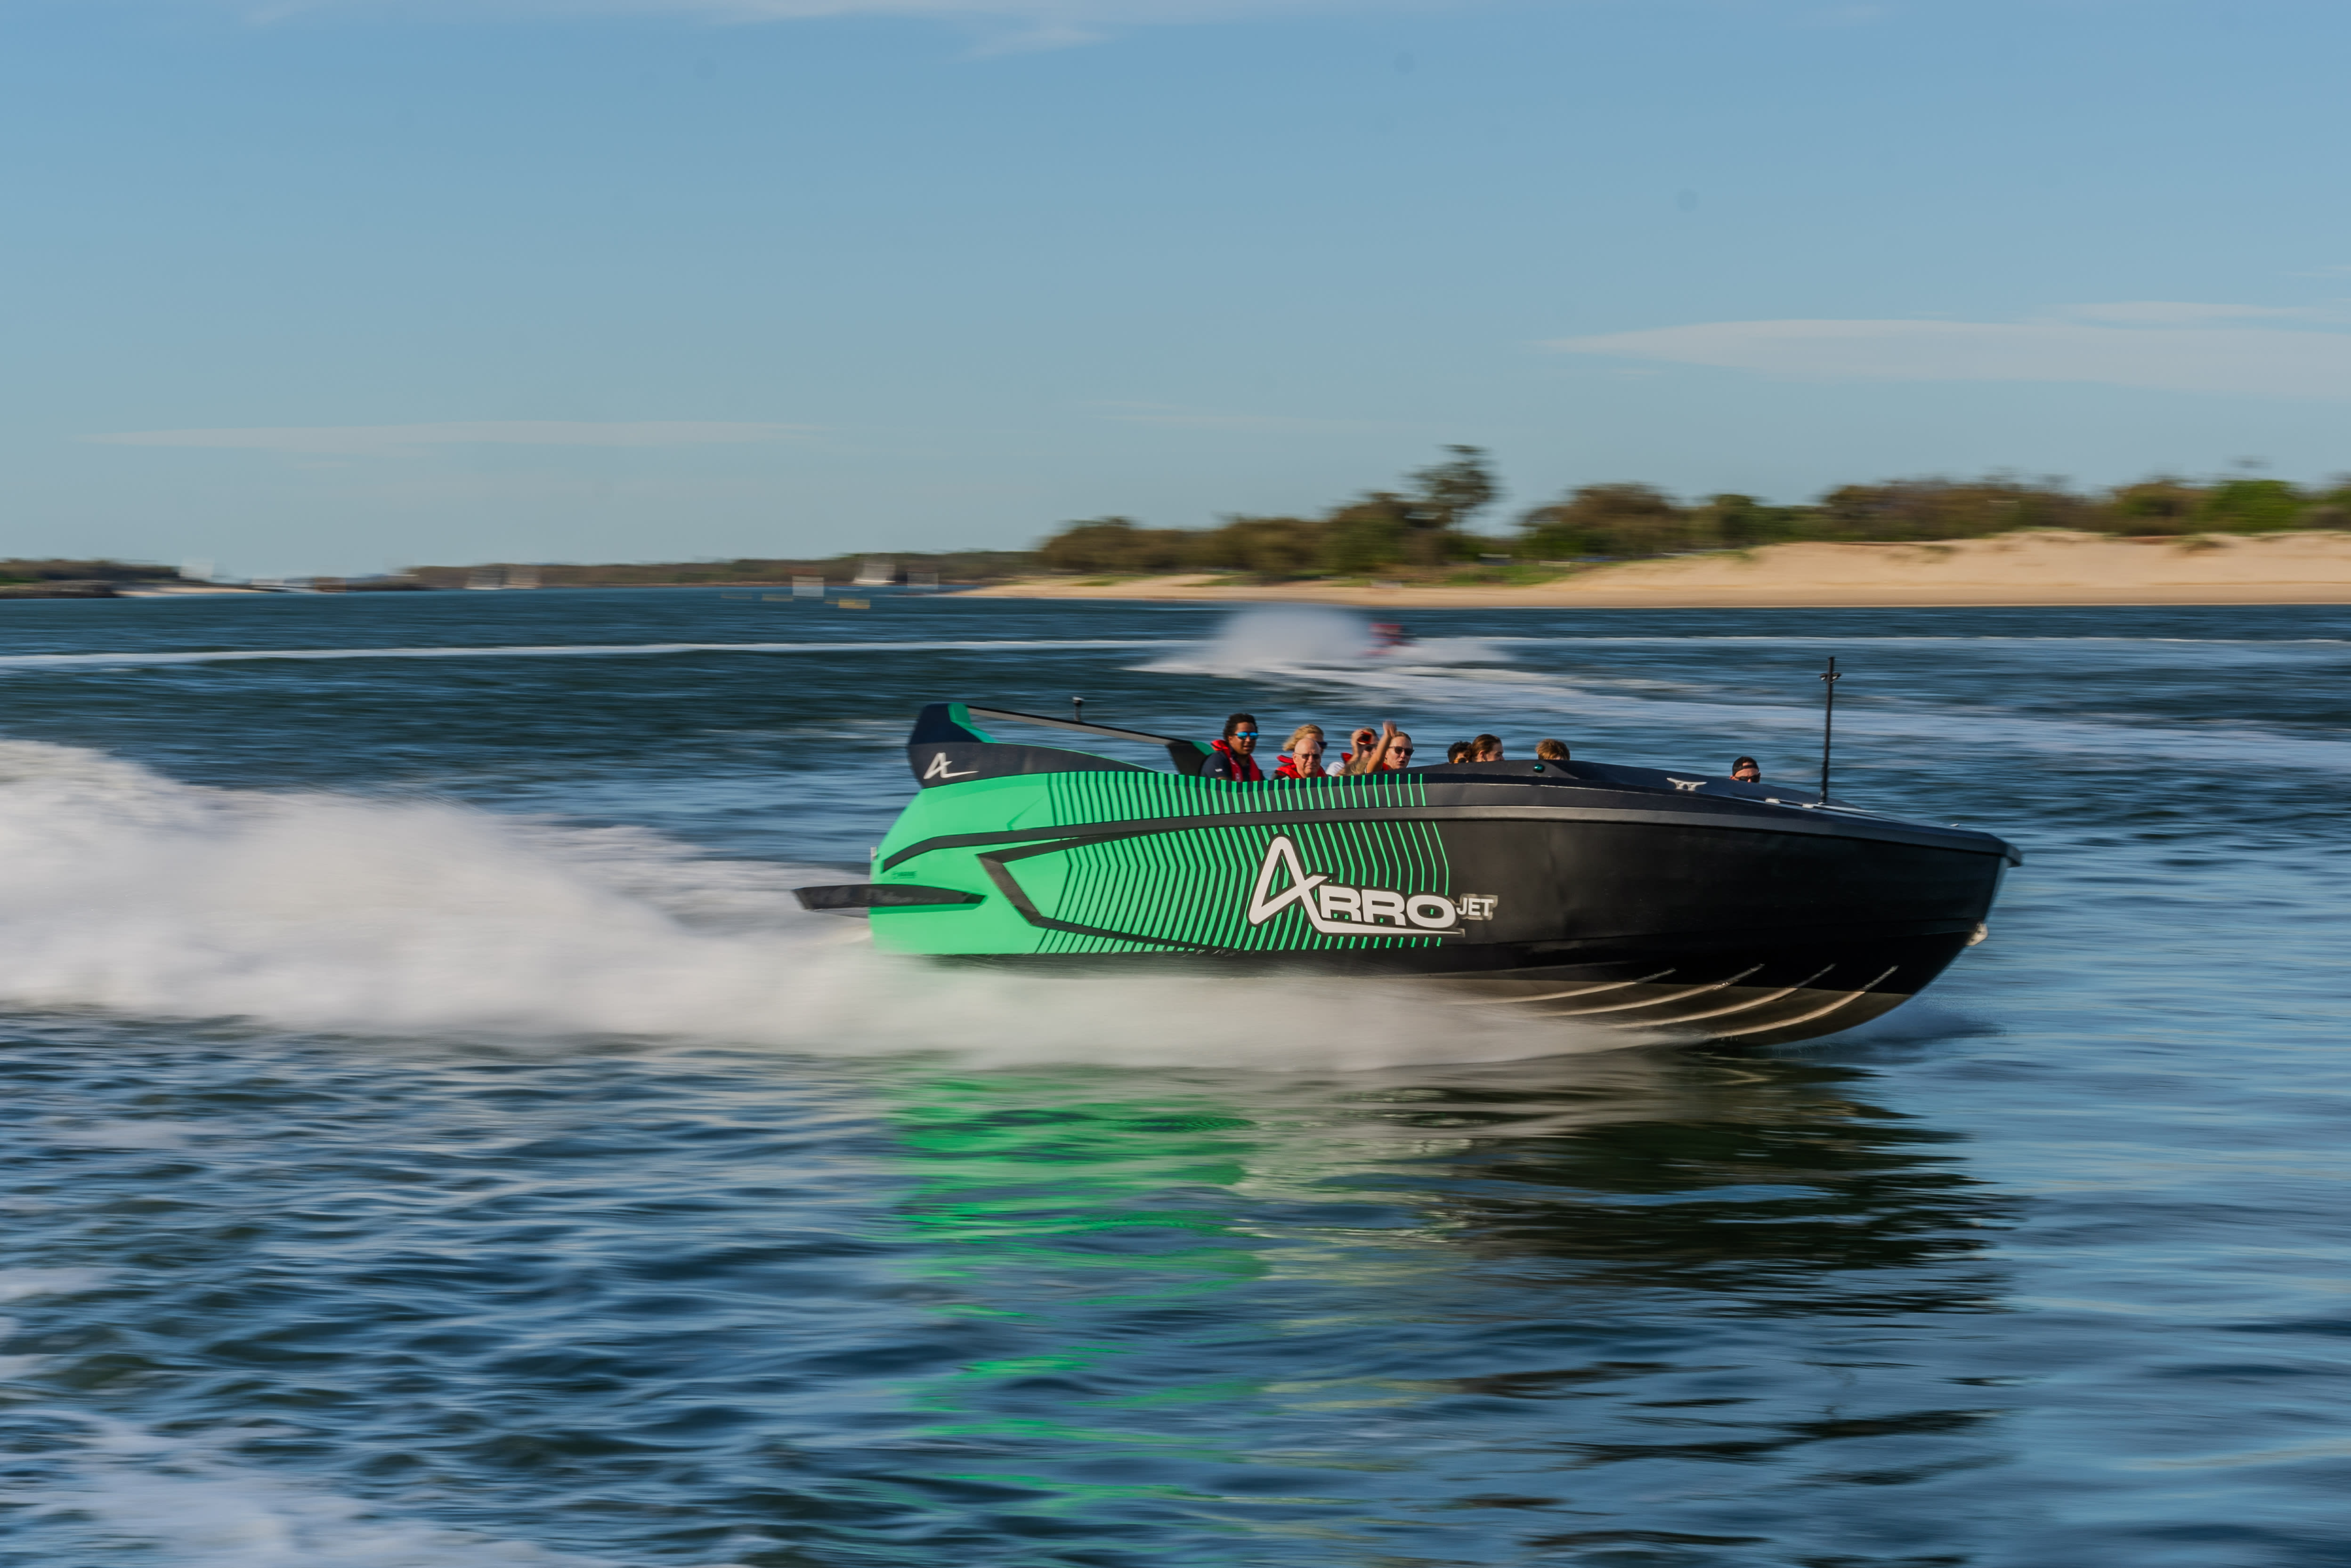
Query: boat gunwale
x=1958, y=841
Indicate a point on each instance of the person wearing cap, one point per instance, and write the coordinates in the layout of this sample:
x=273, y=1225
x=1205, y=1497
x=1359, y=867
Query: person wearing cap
x=1745, y=770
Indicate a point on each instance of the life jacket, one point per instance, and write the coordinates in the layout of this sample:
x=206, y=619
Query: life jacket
x=1288, y=768
x=1245, y=770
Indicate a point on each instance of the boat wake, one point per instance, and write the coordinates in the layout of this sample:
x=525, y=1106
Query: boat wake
x=1571, y=686
x=134, y=894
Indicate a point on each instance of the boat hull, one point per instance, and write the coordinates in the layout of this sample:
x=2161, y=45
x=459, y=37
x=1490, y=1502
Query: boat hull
x=1614, y=895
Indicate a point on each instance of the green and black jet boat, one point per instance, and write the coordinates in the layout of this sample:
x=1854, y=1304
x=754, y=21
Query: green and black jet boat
x=1622, y=895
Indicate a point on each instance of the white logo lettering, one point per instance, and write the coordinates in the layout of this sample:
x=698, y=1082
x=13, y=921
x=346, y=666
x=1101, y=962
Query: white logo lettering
x=1478, y=905
x=1337, y=910
x=939, y=768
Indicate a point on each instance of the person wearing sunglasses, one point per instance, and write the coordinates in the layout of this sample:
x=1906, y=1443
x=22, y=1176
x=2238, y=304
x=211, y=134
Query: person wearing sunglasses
x=1230, y=758
x=1380, y=755
x=1302, y=759
x=1746, y=772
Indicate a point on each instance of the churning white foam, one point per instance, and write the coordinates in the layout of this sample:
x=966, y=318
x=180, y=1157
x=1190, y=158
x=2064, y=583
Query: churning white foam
x=131, y=892
x=188, y=1501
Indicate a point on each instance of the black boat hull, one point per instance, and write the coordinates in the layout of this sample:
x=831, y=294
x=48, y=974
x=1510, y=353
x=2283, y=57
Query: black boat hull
x=1627, y=896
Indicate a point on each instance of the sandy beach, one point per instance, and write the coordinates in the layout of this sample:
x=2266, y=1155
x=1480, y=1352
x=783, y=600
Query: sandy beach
x=2039, y=568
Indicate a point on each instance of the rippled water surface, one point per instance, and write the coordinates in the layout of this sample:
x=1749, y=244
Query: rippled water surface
x=433, y=1138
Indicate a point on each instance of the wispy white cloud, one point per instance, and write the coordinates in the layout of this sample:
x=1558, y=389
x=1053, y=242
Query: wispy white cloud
x=1047, y=21
x=2152, y=344
x=395, y=440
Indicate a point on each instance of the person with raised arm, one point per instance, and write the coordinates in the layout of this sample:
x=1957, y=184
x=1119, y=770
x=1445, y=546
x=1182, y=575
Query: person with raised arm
x=1375, y=757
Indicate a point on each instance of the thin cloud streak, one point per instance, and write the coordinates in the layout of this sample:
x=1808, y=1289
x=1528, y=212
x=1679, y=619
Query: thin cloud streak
x=2261, y=361
x=1067, y=20
x=400, y=440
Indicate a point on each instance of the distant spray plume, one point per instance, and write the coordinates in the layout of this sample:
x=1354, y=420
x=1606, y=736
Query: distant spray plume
x=1310, y=639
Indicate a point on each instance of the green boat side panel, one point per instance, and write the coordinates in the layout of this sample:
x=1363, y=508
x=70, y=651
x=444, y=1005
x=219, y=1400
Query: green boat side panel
x=1151, y=888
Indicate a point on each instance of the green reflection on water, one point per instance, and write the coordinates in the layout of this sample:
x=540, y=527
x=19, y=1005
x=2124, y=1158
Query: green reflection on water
x=1236, y=1298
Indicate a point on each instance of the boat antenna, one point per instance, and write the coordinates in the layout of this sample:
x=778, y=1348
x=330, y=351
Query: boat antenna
x=1078, y=709
x=1828, y=724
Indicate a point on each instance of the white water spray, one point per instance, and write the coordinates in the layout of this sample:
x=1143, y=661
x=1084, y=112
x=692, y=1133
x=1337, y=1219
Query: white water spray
x=1315, y=640
x=129, y=892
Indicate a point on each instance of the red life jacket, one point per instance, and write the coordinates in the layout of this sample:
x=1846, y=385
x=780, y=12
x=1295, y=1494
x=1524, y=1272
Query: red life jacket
x=1244, y=768
x=1288, y=770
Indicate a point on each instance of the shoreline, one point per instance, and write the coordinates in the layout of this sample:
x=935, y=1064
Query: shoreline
x=2044, y=569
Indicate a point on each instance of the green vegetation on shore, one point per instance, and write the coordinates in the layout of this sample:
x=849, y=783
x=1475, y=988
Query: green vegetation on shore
x=1421, y=529
x=19, y=572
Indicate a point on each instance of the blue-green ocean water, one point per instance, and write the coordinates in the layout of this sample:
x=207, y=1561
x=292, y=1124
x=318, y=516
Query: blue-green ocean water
x=430, y=1135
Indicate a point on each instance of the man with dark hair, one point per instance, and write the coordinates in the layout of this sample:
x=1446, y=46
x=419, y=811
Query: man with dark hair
x=1230, y=758
x=1745, y=771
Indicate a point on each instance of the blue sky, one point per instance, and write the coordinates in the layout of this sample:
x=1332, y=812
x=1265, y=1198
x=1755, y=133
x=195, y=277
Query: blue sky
x=325, y=285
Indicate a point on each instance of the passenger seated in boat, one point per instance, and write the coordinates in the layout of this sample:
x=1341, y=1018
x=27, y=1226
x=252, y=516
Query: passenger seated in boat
x=1361, y=742
x=1370, y=753
x=1397, y=754
x=1459, y=751
x=1303, y=758
x=1745, y=771
x=1551, y=751
x=1231, y=758
x=1486, y=748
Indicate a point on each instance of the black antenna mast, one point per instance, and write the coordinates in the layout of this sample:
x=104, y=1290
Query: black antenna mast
x=1828, y=725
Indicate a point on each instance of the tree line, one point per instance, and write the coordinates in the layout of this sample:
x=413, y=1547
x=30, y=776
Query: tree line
x=1426, y=522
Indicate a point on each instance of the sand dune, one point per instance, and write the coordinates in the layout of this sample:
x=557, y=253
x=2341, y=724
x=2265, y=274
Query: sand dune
x=2034, y=568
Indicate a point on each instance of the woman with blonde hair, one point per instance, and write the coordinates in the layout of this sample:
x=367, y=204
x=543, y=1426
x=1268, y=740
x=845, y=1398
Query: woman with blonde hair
x=1302, y=757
